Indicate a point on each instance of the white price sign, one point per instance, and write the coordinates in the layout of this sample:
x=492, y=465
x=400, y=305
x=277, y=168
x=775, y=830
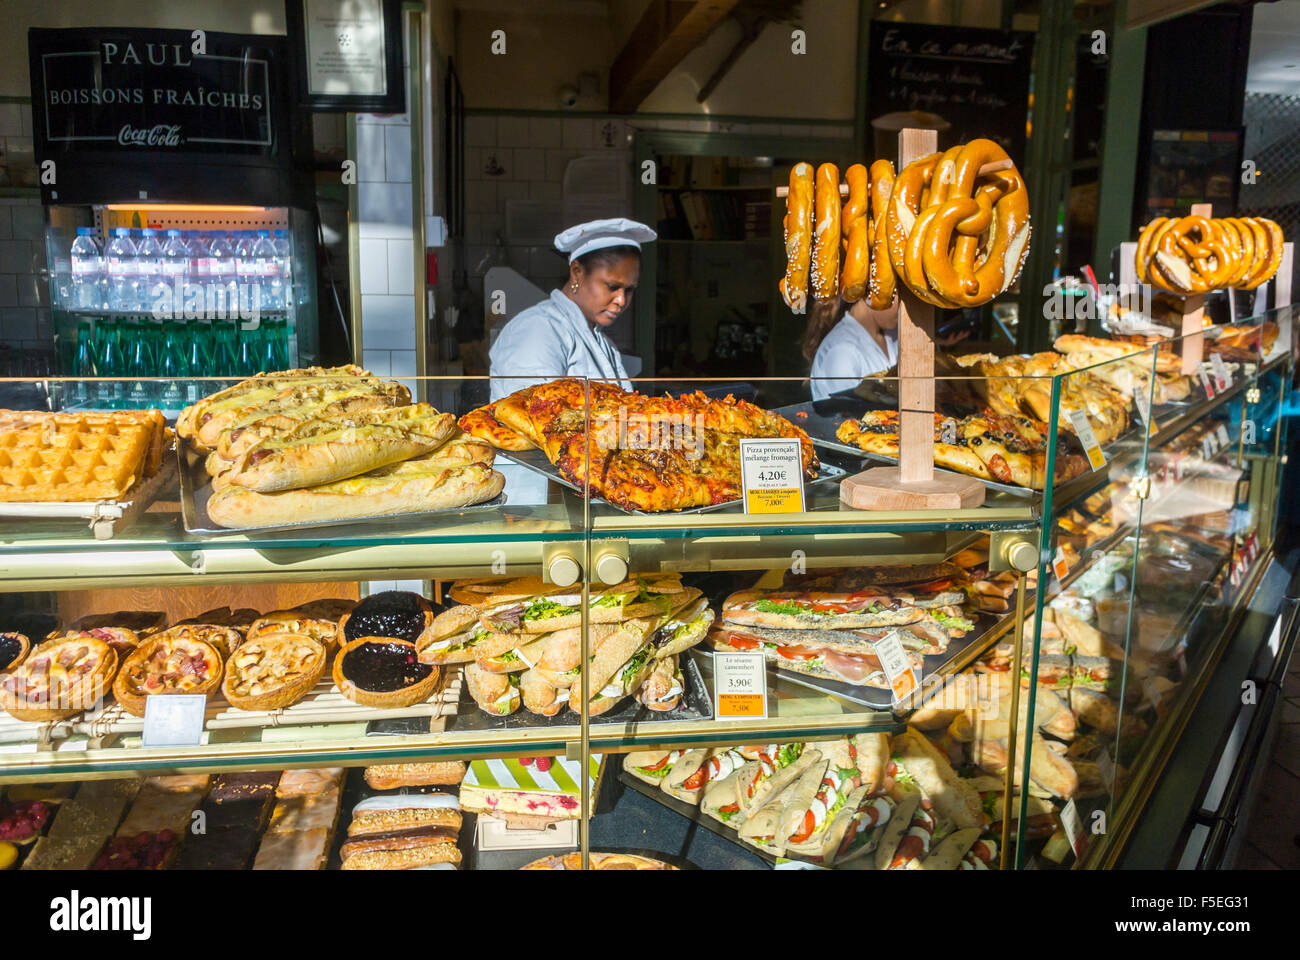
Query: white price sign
x=1205, y=383
x=772, y=474
x=1221, y=434
x=1074, y=831
x=1209, y=446
x=1083, y=430
x=739, y=685
x=173, y=720
x=1220, y=372
x=898, y=668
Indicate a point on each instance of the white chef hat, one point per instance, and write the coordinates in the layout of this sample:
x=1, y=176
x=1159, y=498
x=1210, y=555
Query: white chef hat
x=595, y=234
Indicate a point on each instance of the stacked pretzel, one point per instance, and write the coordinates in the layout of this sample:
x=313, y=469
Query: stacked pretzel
x=1196, y=254
x=952, y=227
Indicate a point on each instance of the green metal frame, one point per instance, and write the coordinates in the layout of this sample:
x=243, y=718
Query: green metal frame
x=1119, y=140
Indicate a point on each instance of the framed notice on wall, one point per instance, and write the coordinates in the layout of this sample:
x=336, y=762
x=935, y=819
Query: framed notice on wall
x=349, y=54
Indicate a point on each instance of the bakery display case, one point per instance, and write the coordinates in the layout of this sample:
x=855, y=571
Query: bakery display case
x=910, y=664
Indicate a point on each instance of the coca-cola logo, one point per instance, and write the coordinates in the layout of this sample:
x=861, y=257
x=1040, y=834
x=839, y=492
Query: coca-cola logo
x=160, y=135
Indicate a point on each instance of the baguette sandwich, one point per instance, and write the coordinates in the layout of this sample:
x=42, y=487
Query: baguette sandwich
x=841, y=655
x=817, y=610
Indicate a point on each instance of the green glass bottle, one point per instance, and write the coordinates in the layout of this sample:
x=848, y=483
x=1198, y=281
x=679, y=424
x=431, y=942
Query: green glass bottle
x=84, y=365
x=171, y=395
x=196, y=362
x=108, y=393
x=139, y=364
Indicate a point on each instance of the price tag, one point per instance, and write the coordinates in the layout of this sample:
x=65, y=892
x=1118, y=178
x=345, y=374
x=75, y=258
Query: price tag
x=772, y=472
x=1209, y=446
x=898, y=669
x=1060, y=564
x=1083, y=430
x=1151, y=688
x=1221, y=434
x=1178, y=466
x=1074, y=831
x=1143, y=403
x=739, y=685
x=1252, y=546
x=1106, y=767
x=173, y=720
x=784, y=863
x=1205, y=383
x=1220, y=372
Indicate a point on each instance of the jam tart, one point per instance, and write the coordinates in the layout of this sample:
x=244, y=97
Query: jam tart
x=14, y=648
x=273, y=670
x=382, y=672
x=395, y=614
x=167, y=665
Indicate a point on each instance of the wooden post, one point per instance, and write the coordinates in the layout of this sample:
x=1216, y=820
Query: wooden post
x=915, y=351
x=1194, y=315
x=912, y=485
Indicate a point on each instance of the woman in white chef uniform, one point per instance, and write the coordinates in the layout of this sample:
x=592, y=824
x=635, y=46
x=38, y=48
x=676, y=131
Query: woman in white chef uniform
x=563, y=336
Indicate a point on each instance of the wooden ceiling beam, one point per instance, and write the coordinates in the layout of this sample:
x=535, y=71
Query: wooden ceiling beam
x=665, y=34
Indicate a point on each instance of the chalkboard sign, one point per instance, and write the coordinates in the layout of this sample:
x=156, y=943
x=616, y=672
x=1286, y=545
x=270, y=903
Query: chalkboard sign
x=976, y=80
x=129, y=114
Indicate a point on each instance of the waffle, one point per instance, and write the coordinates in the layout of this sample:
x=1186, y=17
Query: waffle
x=72, y=457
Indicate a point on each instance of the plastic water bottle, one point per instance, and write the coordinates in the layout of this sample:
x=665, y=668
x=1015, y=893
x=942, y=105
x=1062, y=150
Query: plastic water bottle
x=268, y=272
x=198, y=273
x=284, y=265
x=149, y=260
x=225, y=281
x=175, y=266
x=123, y=286
x=88, y=280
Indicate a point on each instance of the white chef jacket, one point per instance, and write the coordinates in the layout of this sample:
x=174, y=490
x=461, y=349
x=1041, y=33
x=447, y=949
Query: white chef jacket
x=850, y=354
x=548, y=340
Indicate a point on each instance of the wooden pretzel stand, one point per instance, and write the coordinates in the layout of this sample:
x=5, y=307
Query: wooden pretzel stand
x=913, y=484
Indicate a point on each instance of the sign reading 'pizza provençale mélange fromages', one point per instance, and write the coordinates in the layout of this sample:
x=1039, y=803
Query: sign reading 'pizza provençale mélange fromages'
x=154, y=90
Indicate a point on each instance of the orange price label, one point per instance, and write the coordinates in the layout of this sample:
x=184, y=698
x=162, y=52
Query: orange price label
x=898, y=668
x=1060, y=565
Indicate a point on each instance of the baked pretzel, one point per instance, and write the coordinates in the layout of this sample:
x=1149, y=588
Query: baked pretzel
x=798, y=237
x=881, y=280
x=1196, y=254
x=855, y=225
x=968, y=235
x=826, y=234
x=1269, y=261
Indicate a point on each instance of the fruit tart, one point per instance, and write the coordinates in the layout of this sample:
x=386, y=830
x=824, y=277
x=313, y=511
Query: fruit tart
x=23, y=822
x=273, y=670
x=166, y=665
x=224, y=638
x=322, y=631
x=14, y=648
x=123, y=640
x=59, y=679
x=381, y=672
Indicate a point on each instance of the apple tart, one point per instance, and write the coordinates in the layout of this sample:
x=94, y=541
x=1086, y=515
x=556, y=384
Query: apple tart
x=294, y=622
x=167, y=665
x=273, y=670
x=224, y=638
x=59, y=679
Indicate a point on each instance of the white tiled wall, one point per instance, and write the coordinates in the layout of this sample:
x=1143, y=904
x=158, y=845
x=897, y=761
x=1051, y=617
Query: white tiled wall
x=523, y=158
x=26, y=330
x=386, y=234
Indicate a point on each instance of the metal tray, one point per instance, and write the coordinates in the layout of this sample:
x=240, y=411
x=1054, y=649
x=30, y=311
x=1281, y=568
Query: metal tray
x=694, y=705
x=873, y=697
x=536, y=461
x=821, y=427
x=196, y=488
